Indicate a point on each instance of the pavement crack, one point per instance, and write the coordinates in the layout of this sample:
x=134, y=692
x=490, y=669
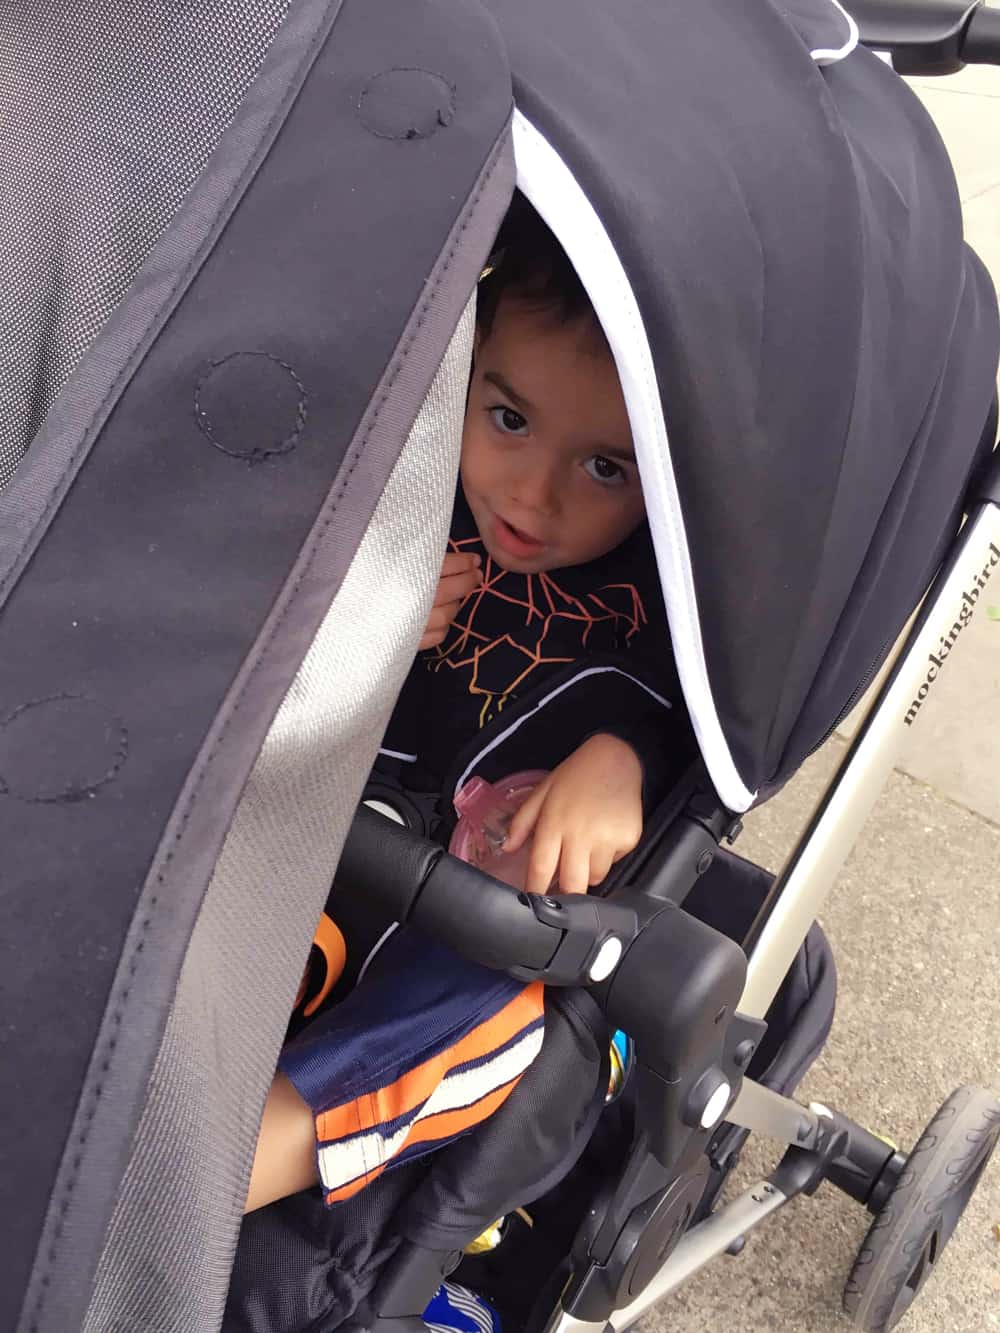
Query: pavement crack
x=948, y=800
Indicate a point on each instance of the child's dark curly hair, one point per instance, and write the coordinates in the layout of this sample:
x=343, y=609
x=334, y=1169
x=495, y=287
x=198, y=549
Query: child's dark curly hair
x=529, y=264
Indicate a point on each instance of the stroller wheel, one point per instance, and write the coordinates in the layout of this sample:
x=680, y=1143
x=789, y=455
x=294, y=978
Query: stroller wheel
x=916, y=1221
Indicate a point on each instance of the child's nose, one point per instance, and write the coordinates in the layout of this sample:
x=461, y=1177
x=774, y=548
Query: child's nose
x=537, y=489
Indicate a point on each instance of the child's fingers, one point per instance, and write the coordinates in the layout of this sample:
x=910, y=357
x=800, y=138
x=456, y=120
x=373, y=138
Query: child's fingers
x=438, y=623
x=459, y=562
x=442, y=616
x=601, y=861
x=456, y=587
x=574, y=867
x=460, y=569
x=525, y=819
x=629, y=845
x=545, y=853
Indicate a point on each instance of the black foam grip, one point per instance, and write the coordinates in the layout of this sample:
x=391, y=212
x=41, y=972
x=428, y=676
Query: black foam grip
x=386, y=862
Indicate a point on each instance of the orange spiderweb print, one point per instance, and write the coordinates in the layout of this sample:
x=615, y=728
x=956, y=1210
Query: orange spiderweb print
x=546, y=626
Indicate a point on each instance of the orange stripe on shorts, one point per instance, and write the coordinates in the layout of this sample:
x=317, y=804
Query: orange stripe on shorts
x=412, y=1089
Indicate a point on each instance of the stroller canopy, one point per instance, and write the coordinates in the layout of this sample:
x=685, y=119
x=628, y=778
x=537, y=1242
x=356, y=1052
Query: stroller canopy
x=769, y=228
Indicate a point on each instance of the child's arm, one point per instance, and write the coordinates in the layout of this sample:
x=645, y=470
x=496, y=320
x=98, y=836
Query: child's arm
x=585, y=816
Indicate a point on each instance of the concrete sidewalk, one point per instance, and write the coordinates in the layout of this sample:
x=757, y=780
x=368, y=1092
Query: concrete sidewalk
x=955, y=750
x=915, y=926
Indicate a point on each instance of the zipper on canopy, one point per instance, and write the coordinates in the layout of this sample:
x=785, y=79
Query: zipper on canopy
x=858, y=693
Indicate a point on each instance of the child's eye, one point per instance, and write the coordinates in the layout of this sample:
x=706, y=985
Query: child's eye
x=605, y=471
x=507, y=420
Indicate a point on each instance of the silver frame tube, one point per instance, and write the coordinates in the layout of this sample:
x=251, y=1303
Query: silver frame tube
x=765, y=1112
x=814, y=864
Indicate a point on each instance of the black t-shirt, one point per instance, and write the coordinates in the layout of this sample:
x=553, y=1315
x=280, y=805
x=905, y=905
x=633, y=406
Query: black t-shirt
x=517, y=631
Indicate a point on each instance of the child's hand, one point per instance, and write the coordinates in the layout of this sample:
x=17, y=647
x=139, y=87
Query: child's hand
x=460, y=573
x=585, y=816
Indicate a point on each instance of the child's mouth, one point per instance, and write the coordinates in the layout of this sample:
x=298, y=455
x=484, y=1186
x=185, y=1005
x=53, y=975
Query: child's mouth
x=514, y=541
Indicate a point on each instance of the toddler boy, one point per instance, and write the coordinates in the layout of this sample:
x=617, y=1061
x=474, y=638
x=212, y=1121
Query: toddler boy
x=547, y=560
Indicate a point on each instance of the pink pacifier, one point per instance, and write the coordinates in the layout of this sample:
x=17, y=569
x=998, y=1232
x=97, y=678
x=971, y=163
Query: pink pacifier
x=485, y=811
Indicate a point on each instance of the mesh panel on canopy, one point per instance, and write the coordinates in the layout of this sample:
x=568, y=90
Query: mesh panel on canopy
x=110, y=113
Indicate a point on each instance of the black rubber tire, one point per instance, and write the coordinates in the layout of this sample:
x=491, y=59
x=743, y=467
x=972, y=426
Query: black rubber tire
x=905, y=1241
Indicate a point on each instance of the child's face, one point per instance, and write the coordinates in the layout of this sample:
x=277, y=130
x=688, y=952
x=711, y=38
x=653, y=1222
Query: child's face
x=548, y=468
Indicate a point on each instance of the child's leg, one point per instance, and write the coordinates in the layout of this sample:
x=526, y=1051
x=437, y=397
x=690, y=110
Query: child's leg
x=423, y=1049
x=285, y=1158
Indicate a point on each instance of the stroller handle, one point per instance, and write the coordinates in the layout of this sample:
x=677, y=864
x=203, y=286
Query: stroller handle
x=560, y=939
x=930, y=37
x=669, y=980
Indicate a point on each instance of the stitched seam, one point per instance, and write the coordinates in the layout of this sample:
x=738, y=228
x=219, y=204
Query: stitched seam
x=258, y=453
x=81, y=1141
x=444, y=118
x=203, y=250
x=270, y=635
x=70, y=793
x=378, y=1142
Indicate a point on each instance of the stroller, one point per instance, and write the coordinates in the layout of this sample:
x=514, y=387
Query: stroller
x=239, y=295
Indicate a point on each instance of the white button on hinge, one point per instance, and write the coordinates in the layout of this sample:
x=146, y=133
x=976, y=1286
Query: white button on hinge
x=717, y=1104
x=607, y=959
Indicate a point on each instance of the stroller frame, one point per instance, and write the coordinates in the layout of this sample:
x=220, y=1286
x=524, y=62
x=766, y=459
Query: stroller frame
x=798, y=896
x=701, y=1087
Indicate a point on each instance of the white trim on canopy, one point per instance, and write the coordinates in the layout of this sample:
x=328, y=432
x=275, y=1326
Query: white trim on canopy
x=827, y=56
x=551, y=188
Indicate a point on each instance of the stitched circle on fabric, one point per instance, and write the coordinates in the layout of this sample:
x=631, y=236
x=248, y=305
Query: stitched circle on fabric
x=406, y=104
x=251, y=405
x=60, y=749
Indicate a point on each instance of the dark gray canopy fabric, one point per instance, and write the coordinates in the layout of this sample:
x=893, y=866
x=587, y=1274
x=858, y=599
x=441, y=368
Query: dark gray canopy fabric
x=824, y=345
